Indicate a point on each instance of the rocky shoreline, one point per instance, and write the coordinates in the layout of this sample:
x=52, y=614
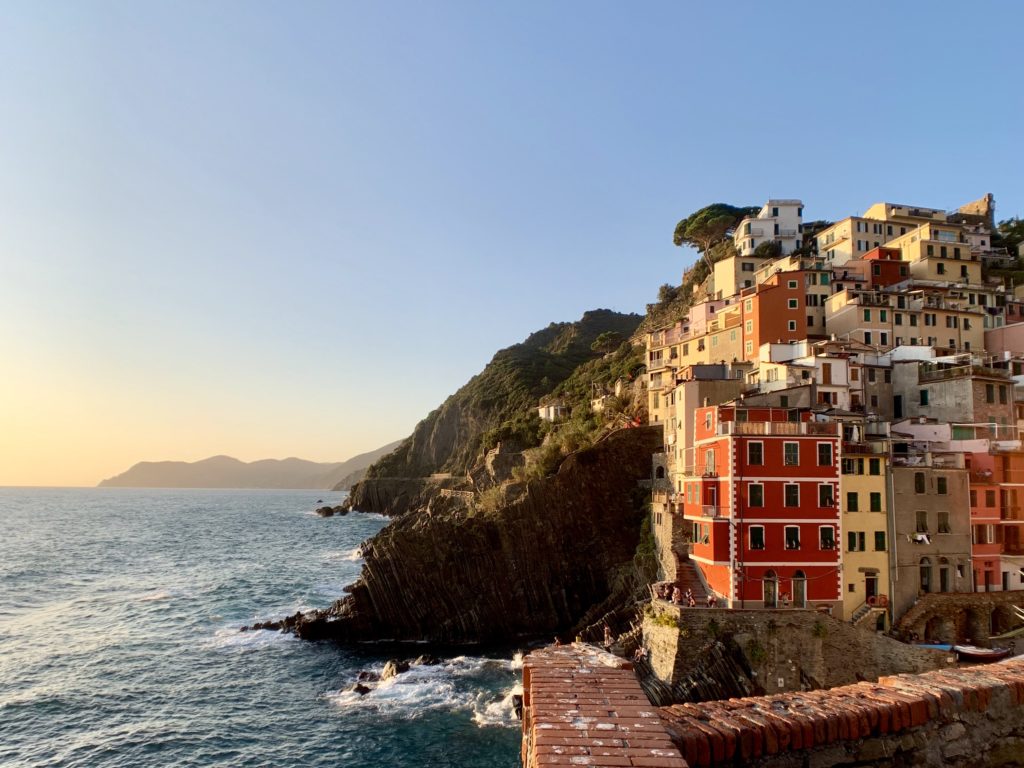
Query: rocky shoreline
x=535, y=566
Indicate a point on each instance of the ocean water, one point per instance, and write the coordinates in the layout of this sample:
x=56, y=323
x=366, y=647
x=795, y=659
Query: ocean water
x=119, y=642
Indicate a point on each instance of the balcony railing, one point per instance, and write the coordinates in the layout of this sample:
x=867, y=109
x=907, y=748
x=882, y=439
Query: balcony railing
x=928, y=373
x=1011, y=514
x=777, y=428
x=710, y=510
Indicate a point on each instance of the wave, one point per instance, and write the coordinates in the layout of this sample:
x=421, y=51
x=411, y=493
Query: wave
x=232, y=638
x=436, y=687
x=153, y=596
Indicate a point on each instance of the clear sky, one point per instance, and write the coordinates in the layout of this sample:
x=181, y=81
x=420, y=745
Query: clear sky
x=292, y=229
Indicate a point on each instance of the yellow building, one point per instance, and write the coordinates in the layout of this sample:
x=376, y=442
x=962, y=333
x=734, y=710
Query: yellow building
x=866, y=533
x=939, y=251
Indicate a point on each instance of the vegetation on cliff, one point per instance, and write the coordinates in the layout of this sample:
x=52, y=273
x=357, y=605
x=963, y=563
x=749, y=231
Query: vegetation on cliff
x=502, y=396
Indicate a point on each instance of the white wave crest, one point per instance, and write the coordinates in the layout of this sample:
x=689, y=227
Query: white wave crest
x=158, y=595
x=489, y=712
x=232, y=638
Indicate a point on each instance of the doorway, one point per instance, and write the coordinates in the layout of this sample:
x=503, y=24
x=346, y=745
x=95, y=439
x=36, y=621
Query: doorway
x=771, y=590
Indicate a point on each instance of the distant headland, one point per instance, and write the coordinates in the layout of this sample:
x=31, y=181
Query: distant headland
x=228, y=472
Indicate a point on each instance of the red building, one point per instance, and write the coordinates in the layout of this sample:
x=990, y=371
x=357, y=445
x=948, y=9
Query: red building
x=997, y=523
x=762, y=502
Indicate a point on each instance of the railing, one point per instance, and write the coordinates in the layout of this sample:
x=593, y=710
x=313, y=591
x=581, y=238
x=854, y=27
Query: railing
x=928, y=373
x=786, y=233
x=1011, y=513
x=982, y=478
x=777, y=428
x=710, y=510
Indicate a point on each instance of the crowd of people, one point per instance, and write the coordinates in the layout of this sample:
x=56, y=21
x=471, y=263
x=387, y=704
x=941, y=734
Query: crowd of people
x=675, y=595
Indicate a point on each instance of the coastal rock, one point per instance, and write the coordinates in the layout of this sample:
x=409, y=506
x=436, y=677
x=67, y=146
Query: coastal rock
x=366, y=676
x=393, y=668
x=325, y=511
x=535, y=565
x=426, y=660
x=359, y=688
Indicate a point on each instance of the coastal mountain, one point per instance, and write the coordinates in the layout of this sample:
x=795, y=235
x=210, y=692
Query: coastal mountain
x=450, y=438
x=228, y=472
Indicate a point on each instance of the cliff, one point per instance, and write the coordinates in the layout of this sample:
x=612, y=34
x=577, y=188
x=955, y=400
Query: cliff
x=228, y=472
x=450, y=438
x=533, y=566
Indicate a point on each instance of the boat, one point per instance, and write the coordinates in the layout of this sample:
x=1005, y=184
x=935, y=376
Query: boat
x=974, y=653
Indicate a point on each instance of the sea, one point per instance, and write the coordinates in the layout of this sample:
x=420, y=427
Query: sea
x=120, y=612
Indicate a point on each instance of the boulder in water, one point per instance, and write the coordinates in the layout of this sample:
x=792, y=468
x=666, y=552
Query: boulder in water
x=359, y=688
x=394, y=667
x=325, y=511
x=426, y=660
x=366, y=676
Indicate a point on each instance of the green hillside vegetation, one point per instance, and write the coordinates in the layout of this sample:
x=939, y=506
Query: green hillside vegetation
x=500, y=402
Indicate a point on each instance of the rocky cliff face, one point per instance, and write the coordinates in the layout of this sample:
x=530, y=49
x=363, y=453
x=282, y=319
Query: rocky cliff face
x=449, y=438
x=533, y=566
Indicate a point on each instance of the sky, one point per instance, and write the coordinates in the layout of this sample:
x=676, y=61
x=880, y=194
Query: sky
x=292, y=229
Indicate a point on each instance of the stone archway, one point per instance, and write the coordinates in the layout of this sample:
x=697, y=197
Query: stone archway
x=977, y=624
x=939, y=629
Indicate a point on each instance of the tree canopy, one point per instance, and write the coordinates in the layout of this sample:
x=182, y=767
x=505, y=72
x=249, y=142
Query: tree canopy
x=703, y=228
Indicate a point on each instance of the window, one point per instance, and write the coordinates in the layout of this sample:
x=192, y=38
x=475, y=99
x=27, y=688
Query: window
x=867, y=337
x=990, y=393
x=883, y=316
x=826, y=537
x=792, y=537
x=940, y=485
x=898, y=318
x=755, y=454
x=924, y=396
x=825, y=498
x=922, y=521
x=793, y=303
x=944, y=522
x=876, y=501
x=757, y=537
x=990, y=498
x=874, y=466
x=855, y=541
x=791, y=454
x=867, y=315
x=824, y=454
x=851, y=500
x=974, y=498
x=879, y=541
x=755, y=495
x=940, y=268
x=884, y=340
x=919, y=482
x=791, y=325
x=792, y=495
x=793, y=284
x=963, y=270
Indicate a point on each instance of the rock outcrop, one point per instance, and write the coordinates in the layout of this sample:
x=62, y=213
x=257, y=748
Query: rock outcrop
x=533, y=566
x=395, y=496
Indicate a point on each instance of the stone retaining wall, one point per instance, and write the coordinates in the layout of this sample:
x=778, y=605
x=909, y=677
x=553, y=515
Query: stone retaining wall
x=957, y=717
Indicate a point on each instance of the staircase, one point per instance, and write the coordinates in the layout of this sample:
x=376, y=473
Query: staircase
x=688, y=576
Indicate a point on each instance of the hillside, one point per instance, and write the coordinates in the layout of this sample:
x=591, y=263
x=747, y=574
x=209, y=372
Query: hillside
x=228, y=472
x=449, y=439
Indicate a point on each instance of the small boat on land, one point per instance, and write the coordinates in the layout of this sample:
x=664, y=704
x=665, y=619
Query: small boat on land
x=974, y=653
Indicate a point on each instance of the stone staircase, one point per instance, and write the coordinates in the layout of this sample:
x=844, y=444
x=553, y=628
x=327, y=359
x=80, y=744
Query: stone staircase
x=688, y=576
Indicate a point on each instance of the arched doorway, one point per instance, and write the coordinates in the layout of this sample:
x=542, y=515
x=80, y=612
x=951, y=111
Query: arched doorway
x=771, y=590
x=926, y=575
x=799, y=590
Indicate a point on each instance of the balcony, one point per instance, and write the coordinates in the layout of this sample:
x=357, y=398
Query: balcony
x=710, y=510
x=786, y=233
x=777, y=428
x=1011, y=514
x=982, y=478
x=929, y=373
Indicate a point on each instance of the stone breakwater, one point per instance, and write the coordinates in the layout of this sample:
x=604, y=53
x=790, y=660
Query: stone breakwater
x=582, y=708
